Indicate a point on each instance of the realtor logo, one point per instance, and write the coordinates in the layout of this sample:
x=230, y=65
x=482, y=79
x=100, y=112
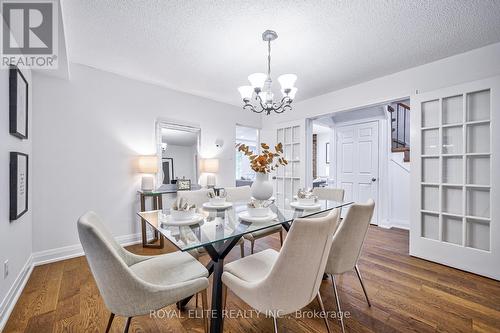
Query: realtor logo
x=29, y=34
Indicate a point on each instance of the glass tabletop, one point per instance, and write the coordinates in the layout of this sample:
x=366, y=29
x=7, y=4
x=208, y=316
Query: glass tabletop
x=216, y=225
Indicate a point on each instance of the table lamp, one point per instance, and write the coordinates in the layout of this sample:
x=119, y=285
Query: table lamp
x=210, y=166
x=148, y=165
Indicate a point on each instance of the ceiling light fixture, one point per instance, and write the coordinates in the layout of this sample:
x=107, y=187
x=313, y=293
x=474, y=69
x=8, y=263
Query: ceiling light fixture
x=260, y=89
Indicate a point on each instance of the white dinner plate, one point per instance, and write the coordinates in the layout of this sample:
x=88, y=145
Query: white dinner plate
x=169, y=221
x=296, y=205
x=246, y=217
x=226, y=205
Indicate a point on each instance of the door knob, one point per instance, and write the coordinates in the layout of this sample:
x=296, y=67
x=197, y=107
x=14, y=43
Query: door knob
x=374, y=179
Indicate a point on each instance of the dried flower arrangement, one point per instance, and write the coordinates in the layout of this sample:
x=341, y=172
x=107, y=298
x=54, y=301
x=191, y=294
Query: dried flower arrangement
x=264, y=162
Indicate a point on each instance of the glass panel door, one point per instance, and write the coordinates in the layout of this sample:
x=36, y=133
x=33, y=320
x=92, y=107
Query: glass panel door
x=453, y=220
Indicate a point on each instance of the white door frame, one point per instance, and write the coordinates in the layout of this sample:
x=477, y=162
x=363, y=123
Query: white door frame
x=382, y=156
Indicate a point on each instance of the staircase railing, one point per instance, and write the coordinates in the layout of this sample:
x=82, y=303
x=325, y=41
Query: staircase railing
x=400, y=127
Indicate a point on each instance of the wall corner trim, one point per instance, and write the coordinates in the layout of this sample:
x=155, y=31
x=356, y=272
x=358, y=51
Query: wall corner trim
x=10, y=300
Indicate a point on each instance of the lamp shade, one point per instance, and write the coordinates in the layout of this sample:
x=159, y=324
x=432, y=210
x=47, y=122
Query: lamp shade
x=246, y=92
x=287, y=81
x=257, y=80
x=148, y=164
x=292, y=93
x=210, y=165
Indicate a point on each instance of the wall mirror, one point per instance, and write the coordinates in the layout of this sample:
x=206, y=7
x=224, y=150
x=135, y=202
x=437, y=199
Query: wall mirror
x=178, y=148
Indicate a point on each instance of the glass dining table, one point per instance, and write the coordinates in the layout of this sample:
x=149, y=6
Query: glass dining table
x=218, y=231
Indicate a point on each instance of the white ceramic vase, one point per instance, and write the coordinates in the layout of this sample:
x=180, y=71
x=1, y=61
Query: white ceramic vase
x=262, y=188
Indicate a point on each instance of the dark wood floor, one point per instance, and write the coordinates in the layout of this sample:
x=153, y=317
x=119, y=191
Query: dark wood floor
x=408, y=295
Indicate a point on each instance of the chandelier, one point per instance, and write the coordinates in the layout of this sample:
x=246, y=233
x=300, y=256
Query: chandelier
x=258, y=97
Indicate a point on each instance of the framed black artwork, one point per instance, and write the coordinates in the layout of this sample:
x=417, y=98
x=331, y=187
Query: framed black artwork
x=167, y=165
x=18, y=103
x=18, y=185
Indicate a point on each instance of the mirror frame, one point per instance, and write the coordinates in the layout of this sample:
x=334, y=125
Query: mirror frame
x=176, y=125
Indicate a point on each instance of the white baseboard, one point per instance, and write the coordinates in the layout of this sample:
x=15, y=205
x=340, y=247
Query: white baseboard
x=72, y=251
x=14, y=292
x=394, y=223
x=45, y=257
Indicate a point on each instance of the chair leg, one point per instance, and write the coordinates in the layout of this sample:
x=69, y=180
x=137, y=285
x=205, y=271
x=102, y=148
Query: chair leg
x=204, y=305
x=242, y=249
x=337, y=299
x=362, y=284
x=281, y=236
x=224, y=296
x=320, y=301
x=110, y=321
x=127, y=325
x=275, y=322
x=252, y=243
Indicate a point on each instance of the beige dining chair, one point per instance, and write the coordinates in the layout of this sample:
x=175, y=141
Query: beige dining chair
x=279, y=283
x=346, y=247
x=244, y=194
x=133, y=285
x=329, y=193
x=238, y=194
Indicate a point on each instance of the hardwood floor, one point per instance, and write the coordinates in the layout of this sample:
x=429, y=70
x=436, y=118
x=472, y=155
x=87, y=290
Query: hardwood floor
x=407, y=294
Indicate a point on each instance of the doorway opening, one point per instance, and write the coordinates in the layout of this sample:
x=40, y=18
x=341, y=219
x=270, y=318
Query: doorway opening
x=352, y=150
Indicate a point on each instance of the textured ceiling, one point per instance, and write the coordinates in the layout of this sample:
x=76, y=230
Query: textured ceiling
x=209, y=47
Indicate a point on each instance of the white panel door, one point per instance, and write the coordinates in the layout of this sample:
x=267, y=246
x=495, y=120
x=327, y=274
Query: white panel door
x=357, y=162
x=455, y=177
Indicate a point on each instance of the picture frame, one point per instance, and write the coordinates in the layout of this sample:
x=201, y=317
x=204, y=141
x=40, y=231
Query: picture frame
x=19, y=180
x=167, y=166
x=18, y=103
x=183, y=184
x=327, y=158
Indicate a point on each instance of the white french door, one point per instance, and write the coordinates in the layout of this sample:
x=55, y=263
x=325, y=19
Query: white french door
x=358, y=162
x=455, y=176
x=289, y=179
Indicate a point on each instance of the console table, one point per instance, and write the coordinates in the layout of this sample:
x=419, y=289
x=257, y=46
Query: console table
x=157, y=203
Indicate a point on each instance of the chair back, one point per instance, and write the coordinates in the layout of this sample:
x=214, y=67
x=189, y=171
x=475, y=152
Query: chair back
x=348, y=239
x=240, y=193
x=296, y=276
x=197, y=197
x=329, y=193
x=108, y=262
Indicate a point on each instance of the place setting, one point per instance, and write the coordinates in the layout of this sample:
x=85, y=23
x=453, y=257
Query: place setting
x=258, y=211
x=217, y=202
x=305, y=200
x=182, y=213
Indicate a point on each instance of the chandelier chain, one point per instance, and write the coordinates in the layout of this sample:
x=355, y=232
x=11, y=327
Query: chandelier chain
x=269, y=58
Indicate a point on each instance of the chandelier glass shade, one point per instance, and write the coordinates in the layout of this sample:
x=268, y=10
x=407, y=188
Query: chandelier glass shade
x=258, y=96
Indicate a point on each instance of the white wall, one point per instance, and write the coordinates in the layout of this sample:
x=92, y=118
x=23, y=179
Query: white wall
x=87, y=133
x=399, y=191
x=184, y=161
x=15, y=236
